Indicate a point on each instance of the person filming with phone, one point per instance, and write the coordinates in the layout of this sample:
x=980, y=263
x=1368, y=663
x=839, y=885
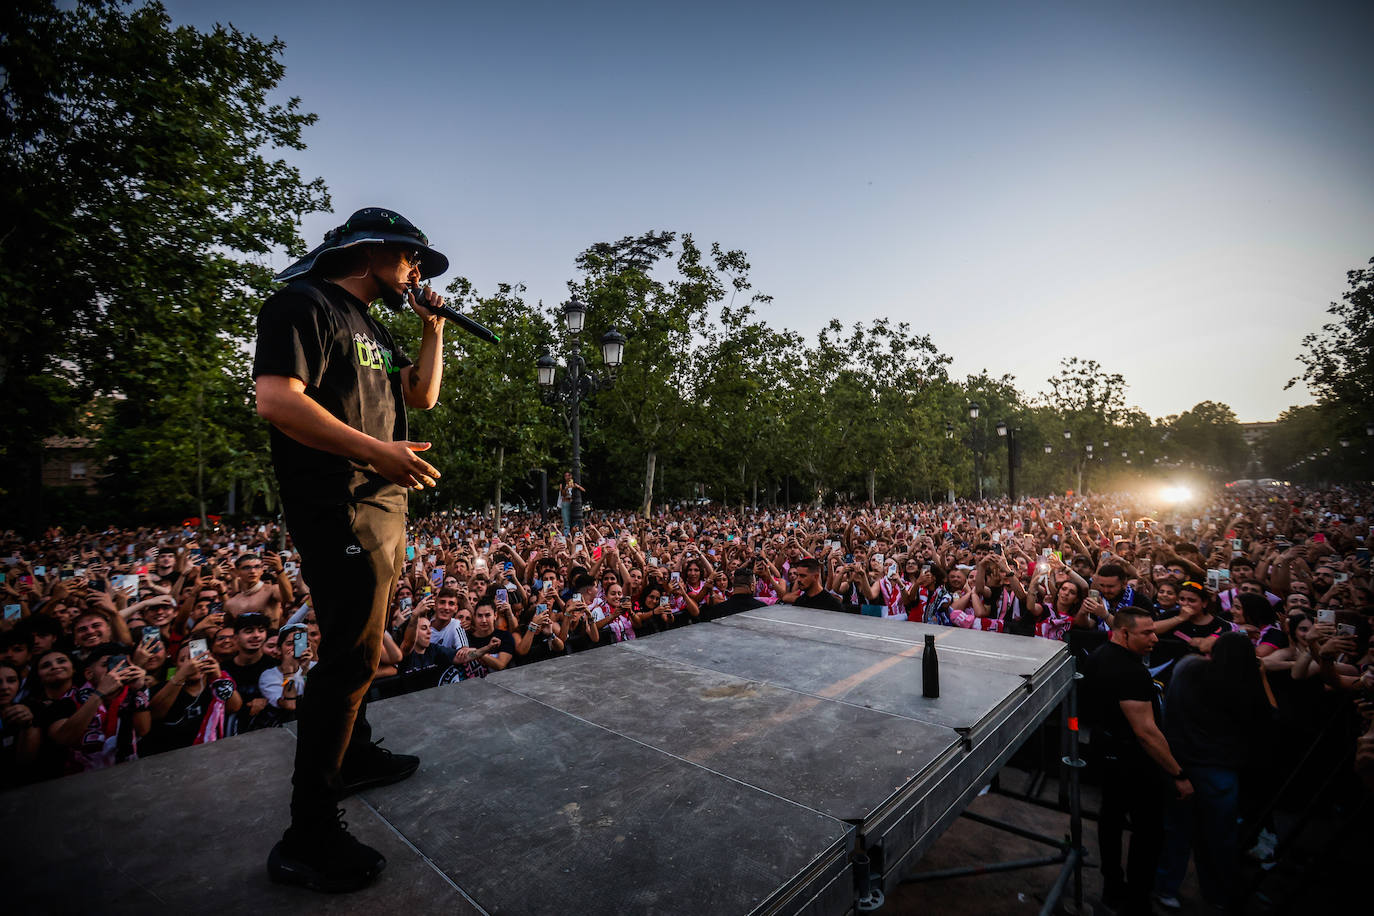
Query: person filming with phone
x=335, y=385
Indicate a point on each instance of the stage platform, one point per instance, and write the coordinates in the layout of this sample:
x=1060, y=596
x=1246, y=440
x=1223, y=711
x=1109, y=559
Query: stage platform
x=732, y=767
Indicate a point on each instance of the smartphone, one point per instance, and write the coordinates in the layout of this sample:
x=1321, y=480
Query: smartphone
x=410, y=553
x=878, y=557
x=1345, y=629
x=1326, y=617
x=502, y=595
x=675, y=576
x=663, y=601
x=300, y=643
x=538, y=585
x=1341, y=577
x=40, y=571
x=405, y=602
x=434, y=542
x=114, y=661
x=198, y=648
x=541, y=608
x=152, y=633
x=849, y=558
x=14, y=611
x=1094, y=594
x=1319, y=538
x=1139, y=526
x=653, y=561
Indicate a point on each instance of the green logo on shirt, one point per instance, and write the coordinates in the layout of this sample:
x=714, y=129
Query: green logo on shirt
x=372, y=356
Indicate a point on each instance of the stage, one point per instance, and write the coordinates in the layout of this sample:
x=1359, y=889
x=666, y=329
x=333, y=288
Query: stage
x=748, y=765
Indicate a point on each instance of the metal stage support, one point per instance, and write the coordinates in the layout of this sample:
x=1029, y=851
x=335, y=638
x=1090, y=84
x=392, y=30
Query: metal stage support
x=778, y=761
x=1071, y=855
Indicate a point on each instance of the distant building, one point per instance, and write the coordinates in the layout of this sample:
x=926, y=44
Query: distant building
x=70, y=462
x=1254, y=435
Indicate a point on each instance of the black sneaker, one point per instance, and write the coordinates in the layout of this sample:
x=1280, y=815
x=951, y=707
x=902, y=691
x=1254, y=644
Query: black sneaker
x=374, y=767
x=324, y=857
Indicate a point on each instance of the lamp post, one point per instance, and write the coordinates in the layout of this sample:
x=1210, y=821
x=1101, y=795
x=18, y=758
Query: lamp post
x=973, y=412
x=577, y=383
x=1006, y=432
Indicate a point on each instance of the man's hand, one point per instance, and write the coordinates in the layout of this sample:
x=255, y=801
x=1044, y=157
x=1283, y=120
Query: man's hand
x=398, y=463
x=428, y=299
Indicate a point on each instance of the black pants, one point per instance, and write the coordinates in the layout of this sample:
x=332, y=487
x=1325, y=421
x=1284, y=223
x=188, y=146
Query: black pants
x=351, y=556
x=1132, y=786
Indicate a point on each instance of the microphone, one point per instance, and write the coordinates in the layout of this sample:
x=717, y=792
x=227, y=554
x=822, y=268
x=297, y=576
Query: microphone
x=463, y=321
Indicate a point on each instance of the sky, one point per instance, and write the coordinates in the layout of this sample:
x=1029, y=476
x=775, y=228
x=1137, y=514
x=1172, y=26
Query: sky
x=1176, y=190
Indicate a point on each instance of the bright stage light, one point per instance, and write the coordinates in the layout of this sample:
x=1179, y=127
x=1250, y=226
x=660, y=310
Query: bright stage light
x=1176, y=494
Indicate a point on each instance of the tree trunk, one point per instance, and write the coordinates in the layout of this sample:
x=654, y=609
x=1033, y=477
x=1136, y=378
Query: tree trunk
x=500, y=469
x=872, y=486
x=649, y=465
x=200, y=461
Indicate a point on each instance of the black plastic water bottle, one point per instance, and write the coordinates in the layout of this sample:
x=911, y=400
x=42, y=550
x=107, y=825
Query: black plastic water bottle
x=930, y=669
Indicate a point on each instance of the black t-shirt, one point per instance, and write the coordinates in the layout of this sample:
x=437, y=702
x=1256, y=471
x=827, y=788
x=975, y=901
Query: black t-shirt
x=825, y=600
x=732, y=605
x=1194, y=631
x=246, y=677
x=477, y=642
x=423, y=669
x=181, y=724
x=1111, y=674
x=541, y=648
x=321, y=334
x=53, y=759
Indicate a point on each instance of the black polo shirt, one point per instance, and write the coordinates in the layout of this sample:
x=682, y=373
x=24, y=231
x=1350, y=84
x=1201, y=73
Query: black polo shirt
x=323, y=335
x=1112, y=673
x=825, y=600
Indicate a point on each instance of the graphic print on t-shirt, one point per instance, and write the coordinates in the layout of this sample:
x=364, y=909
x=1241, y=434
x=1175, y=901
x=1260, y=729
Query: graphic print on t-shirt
x=371, y=355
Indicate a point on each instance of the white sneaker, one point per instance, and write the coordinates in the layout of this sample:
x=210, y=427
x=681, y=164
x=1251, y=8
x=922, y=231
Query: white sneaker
x=1263, y=850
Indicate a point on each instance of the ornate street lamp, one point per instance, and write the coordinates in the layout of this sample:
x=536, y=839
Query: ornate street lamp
x=578, y=383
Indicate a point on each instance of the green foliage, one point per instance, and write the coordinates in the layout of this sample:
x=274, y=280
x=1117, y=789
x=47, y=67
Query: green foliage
x=1308, y=445
x=1209, y=437
x=1339, y=360
x=488, y=428
x=141, y=201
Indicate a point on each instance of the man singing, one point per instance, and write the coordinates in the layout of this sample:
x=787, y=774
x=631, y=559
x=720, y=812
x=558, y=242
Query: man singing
x=334, y=387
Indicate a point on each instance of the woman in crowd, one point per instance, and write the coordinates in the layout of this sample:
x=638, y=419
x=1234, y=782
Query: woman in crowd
x=1041, y=618
x=19, y=737
x=1216, y=708
x=194, y=706
x=1166, y=598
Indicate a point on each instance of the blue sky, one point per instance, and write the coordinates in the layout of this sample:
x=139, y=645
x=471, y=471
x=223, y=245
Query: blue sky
x=1173, y=189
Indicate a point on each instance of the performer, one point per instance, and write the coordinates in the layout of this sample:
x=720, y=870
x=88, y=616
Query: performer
x=334, y=387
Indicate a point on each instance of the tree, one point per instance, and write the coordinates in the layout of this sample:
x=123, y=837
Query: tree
x=652, y=408
x=1208, y=436
x=1090, y=401
x=141, y=200
x=1339, y=359
x=488, y=428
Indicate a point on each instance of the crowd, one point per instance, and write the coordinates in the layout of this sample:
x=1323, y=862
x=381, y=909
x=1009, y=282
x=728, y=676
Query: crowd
x=121, y=644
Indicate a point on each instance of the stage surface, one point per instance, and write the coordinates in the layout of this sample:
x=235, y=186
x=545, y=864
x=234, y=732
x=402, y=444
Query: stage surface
x=734, y=767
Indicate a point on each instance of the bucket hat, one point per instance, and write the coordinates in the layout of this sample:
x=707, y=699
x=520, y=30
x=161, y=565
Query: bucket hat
x=369, y=226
